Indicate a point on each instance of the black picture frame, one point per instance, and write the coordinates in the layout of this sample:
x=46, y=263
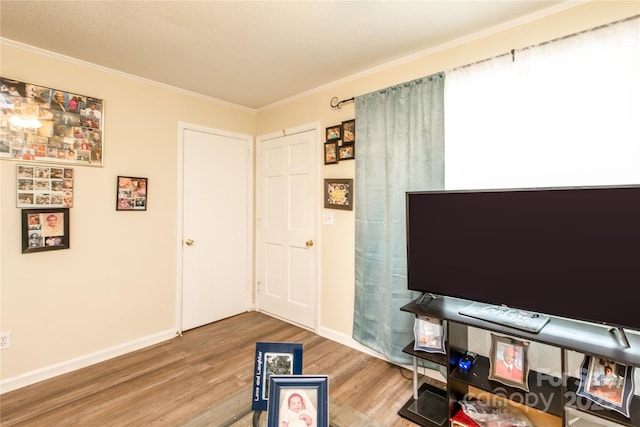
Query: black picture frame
x=45, y=229
x=509, y=361
x=311, y=390
x=347, y=152
x=132, y=193
x=273, y=358
x=349, y=131
x=614, y=391
x=330, y=152
x=333, y=133
x=338, y=193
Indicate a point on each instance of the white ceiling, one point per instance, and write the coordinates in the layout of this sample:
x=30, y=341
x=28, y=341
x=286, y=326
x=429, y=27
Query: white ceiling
x=252, y=53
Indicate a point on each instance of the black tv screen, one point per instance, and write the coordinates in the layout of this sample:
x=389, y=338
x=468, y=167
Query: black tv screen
x=569, y=252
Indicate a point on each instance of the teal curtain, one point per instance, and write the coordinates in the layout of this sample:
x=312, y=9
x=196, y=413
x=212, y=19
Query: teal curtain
x=400, y=139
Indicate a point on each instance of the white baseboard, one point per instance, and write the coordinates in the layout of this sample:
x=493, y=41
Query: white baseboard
x=83, y=361
x=350, y=342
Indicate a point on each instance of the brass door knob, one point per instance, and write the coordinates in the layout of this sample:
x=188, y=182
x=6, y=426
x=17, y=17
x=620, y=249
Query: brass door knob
x=189, y=242
x=309, y=243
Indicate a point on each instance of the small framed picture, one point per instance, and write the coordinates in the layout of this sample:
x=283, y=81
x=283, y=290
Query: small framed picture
x=429, y=335
x=347, y=152
x=273, y=358
x=334, y=133
x=509, y=362
x=44, y=186
x=299, y=400
x=132, y=194
x=45, y=229
x=349, y=131
x=330, y=152
x=338, y=194
x=607, y=383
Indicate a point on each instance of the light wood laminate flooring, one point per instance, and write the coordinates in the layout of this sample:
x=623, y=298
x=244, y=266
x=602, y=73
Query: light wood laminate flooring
x=174, y=382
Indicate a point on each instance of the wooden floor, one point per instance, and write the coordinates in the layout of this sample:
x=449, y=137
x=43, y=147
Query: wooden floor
x=174, y=382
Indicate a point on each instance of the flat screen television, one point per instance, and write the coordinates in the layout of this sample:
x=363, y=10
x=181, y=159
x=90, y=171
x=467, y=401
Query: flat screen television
x=568, y=252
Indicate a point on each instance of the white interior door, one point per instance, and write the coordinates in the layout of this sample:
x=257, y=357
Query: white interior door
x=216, y=225
x=287, y=207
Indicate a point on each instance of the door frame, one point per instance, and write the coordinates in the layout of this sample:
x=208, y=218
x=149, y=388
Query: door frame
x=260, y=141
x=182, y=126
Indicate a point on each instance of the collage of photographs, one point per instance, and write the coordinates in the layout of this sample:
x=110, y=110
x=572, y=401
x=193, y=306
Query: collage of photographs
x=43, y=124
x=45, y=229
x=44, y=186
x=340, y=142
x=132, y=194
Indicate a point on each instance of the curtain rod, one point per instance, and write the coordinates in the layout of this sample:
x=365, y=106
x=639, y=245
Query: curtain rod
x=335, y=104
x=512, y=52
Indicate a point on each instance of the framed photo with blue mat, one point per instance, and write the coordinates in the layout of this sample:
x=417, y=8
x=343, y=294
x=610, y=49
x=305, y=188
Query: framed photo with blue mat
x=299, y=400
x=273, y=358
x=609, y=384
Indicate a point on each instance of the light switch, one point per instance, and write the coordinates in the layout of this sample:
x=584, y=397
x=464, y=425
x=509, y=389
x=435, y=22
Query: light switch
x=327, y=218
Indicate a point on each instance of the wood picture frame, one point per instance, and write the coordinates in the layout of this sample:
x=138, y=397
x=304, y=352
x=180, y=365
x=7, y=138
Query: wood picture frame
x=299, y=397
x=509, y=361
x=45, y=229
x=50, y=125
x=607, y=383
x=330, y=152
x=132, y=193
x=273, y=358
x=338, y=193
x=349, y=131
x=333, y=133
x=347, y=152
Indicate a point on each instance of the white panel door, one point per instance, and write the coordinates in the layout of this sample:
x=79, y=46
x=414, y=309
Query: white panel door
x=216, y=226
x=287, y=206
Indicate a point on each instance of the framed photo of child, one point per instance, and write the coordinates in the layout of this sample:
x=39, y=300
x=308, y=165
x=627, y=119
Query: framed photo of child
x=429, y=335
x=607, y=383
x=299, y=401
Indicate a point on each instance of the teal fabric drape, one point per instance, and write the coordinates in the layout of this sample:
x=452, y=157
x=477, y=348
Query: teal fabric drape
x=400, y=138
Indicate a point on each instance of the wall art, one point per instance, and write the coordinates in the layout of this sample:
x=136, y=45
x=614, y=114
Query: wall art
x=42, y=186
x=43, y=124
x=45, y=229
x=132, y=193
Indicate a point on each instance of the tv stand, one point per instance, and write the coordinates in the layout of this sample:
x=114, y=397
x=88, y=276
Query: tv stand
x=519, y=319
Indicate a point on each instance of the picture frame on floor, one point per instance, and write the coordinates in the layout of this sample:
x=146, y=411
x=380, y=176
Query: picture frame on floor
x=273, y=358
x=299, y=398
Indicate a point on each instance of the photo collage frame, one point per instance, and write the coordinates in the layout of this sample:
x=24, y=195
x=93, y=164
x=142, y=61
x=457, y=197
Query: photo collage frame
x=340, y=143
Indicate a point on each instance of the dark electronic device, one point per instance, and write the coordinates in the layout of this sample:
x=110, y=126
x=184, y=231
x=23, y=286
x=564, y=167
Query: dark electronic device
x=466, y=361
x=570, y=252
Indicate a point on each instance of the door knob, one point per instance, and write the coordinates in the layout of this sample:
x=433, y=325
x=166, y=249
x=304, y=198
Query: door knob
x=189, y=242
x=309, y=243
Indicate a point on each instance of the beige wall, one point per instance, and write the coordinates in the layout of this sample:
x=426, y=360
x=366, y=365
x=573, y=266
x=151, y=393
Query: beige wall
x=116, y=285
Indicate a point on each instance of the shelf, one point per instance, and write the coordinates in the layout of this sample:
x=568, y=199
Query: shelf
x=439, y=358
x=559, y=332
x=587, y=406
x=539, y=385
x=431, y=409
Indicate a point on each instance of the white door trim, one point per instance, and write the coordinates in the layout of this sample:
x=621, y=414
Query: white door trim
x=260, y=140
x=182, y=126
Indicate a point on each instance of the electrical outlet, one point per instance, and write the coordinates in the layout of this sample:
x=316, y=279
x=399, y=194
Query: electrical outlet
x=5, y=340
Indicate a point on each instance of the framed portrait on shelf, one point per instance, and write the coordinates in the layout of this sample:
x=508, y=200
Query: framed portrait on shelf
x=45, y=229
x=429, y=335
x=607, y=383
x=273, y=358
x=43, y=124
x=132, y=193
x=509, y=361
x=330, y=152
x=296, y=398
x=349, y=131
x=334, y=133
x=338, y=193
x=347, y=151
x=42, y=186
